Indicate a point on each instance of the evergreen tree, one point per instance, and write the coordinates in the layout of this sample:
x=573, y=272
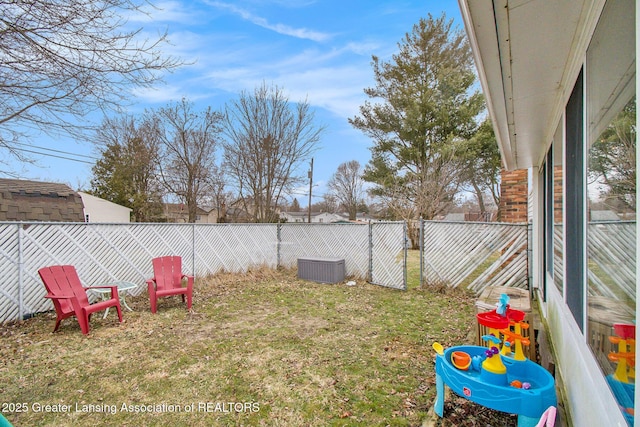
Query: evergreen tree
x=126, y=172
x=425, y=105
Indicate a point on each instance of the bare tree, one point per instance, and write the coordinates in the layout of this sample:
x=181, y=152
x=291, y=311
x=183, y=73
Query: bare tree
x=329, y=203
x=347, y=185
x=482, y=165
x=267, y=140
x=187, y=141
x=61, y=60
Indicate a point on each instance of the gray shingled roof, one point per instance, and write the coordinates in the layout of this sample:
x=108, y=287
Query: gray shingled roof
x=22, y=200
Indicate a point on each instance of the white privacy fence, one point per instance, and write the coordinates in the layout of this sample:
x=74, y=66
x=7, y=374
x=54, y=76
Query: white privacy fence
x=474, y=254
x=478, y=255
x=107, y=252
x=611, y=250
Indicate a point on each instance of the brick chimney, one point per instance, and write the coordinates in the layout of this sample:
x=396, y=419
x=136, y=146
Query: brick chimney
x=513, y=196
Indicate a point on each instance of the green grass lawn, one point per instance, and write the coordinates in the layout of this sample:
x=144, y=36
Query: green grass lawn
x=261, y=348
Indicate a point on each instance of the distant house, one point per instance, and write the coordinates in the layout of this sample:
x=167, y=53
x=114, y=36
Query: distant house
x=316, y=217
x=22, y=200
x=101, y=210
x=455, y=216
x=179, y=213
x=471, y=216
x=323, y=217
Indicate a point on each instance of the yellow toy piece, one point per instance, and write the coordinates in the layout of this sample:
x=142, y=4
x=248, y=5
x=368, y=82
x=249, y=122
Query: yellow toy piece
x=494, y=363
x=625, y=372
x=516, y=339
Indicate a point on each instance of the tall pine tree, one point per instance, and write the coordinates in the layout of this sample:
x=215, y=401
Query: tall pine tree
x=424, y=104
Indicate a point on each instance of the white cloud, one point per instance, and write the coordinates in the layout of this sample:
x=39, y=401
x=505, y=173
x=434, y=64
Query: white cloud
x=163, y=94
x=301, y=33
x=329, y=80
x=164, y=11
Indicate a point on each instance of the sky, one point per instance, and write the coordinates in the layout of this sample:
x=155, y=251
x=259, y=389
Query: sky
x=314, y=50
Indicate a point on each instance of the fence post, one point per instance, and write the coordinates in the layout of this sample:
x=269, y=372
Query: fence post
x=20, y=273
x=405, y=250
x=370, y=278
x=193, y=249
x=278, y=241
x=421, y=251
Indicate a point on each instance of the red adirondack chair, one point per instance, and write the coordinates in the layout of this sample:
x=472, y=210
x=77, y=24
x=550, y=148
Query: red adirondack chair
x=69, y=297
x=168, y=280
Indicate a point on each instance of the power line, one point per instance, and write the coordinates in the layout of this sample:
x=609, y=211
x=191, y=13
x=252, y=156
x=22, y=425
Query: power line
x=56, y=151
x=66, y=153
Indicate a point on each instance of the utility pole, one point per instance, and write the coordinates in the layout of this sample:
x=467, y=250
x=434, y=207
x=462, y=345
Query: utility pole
x=310, y=174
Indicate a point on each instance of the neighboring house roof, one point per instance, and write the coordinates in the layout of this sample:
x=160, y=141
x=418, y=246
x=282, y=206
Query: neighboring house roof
x=22, y=200
x=181, y=208
x=179, y=212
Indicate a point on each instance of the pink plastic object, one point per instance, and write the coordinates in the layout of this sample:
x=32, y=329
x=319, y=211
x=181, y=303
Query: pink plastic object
x=548, y=418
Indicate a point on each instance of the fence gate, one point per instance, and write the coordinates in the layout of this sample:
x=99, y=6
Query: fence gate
x=474, y=254
x=388, y=254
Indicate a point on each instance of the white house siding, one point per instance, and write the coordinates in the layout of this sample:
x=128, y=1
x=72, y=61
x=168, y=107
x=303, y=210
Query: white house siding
x=536, y=61
x=323, y=217
x=100, y=210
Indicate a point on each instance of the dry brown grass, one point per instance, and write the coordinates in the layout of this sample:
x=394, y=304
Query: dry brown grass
x=288, y=352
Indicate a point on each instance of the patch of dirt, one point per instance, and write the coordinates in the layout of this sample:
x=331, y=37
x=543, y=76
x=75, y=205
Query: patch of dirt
x=461, y=412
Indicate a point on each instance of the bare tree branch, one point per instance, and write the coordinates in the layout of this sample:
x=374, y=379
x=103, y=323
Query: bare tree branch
x=187, y=141
x=347, y=186
x=60, y=61
x=267, y=139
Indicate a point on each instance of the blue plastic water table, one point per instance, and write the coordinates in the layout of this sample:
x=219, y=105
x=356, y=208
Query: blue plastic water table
x=625, y=395
x=528, y=404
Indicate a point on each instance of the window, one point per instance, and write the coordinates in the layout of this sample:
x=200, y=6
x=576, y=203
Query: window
x=548, y=219
x=611, y=190
x=574, y=203
x=558, y=208
x=553, y=215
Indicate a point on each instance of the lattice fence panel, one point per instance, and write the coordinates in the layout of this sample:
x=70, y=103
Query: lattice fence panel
x=478, y=254
x=10, y=292
x=389, y=254
x=235, y=247
x=611, y=248
x=348, y=241
x=107, y=252
x=558, y=260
